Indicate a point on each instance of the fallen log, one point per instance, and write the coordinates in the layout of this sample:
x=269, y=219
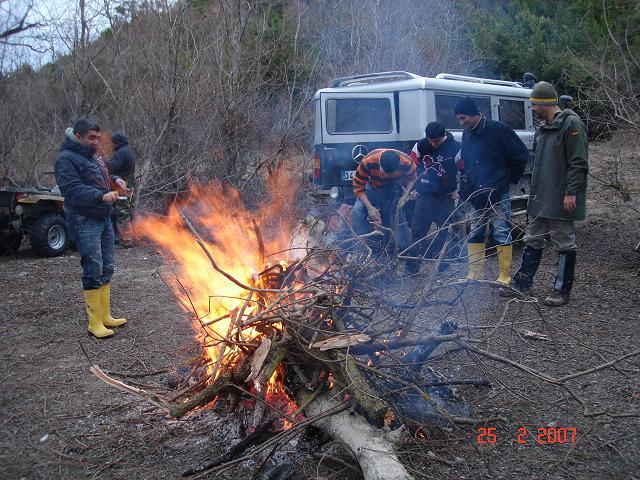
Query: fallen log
x=374, y=452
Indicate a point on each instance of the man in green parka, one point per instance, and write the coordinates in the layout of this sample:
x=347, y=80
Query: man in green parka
x=558, y=194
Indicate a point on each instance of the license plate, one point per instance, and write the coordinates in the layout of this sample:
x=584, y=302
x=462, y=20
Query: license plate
x=348, y=175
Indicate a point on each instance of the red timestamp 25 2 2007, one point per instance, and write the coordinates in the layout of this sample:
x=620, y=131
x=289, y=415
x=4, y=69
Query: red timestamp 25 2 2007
x=543, y=436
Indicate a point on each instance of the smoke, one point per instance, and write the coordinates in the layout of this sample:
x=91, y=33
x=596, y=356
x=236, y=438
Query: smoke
x=424, y=37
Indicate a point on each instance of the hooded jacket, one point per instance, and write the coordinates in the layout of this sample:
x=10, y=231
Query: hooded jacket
x=560, y=168
x=436, y=166
x=123, y=162
x=83, y=179
x=493, y=156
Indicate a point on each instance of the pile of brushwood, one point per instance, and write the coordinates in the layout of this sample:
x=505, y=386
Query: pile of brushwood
x=350, y=356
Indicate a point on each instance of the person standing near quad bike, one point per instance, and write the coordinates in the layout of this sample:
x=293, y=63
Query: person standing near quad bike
x=122, y=164
x=558, y=194
x=89, y=193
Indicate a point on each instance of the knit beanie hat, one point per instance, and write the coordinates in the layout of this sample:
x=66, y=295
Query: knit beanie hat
x=434, y=130
x=466, y=106
x=543, y=93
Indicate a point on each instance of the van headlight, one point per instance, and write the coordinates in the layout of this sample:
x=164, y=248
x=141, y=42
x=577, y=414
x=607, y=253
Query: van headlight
x=334, y=192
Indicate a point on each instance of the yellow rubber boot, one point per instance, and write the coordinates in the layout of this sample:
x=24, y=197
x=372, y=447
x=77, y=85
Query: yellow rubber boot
x=93, y=304
x=504, y=263
x=107, y=319
x=476, y=261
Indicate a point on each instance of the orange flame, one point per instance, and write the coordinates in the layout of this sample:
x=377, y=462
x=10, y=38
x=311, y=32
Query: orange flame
x=228, y=230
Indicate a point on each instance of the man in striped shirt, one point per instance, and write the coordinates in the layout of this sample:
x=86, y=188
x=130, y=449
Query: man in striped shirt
x=378, y=185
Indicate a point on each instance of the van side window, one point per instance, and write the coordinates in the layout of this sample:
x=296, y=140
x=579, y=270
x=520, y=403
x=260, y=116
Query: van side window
x=446, y=105
x=358, y=115
x=512, y=113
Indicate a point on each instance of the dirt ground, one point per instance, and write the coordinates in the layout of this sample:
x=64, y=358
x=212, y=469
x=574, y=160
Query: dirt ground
x=57, y=421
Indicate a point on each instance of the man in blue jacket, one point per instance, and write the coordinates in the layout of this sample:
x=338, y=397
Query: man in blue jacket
x=89, y=193
x=493, y=157
x=434, y=156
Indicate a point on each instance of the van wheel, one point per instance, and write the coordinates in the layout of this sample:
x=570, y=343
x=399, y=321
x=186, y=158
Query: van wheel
x=10, y=243
x=49, y=236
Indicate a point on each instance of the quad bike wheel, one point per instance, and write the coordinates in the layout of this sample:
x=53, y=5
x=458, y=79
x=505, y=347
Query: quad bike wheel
x=49, y=237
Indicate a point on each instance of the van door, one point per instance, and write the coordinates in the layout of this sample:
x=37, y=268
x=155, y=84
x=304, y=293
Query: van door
x=353, y=124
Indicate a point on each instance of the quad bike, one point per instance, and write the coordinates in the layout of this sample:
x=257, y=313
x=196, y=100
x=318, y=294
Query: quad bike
x=33, y=211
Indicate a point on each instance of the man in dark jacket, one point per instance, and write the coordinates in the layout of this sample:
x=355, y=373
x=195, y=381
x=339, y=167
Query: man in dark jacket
x=558, y=193
x=89, y=193
x=493, y=157
x=122, y=164
x=436, y=190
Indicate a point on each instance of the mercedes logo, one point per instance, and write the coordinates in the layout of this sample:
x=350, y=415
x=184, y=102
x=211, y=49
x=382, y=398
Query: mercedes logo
x=359, y=152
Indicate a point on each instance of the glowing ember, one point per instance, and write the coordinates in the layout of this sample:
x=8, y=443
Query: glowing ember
x=280, y=400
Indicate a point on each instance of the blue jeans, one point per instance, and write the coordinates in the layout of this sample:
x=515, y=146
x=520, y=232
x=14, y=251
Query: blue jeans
x=385, y=200
x=497, y=214
x=94, y=239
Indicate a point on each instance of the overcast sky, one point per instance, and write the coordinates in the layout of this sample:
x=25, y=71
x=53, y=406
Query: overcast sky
x=59, y=20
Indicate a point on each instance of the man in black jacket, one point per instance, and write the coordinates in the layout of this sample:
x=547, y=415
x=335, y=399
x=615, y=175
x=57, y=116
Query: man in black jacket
x=89, y=193
x=434, y=156
x=493, y=157
x=122, y=164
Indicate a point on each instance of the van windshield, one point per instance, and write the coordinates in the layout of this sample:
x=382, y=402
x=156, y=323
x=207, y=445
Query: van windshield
x=358, y=115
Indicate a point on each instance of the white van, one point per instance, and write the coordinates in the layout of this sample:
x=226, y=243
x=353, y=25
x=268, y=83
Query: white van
x=391, y=109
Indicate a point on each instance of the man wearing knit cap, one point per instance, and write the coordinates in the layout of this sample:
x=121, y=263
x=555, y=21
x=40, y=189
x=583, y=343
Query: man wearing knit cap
x=434, y=157
x=122, y=164
x=493, y=157
x=558, y=193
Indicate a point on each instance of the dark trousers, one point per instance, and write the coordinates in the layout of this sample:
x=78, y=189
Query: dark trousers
x=431, y=209
x=121, y=218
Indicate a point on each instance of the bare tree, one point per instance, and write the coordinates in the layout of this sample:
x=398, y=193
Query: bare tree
x=14, y=20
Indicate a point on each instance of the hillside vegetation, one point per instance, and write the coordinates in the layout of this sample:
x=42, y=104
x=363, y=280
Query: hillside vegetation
x=223, y=89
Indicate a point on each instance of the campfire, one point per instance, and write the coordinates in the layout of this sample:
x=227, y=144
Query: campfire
x=297, y=329
x=289, y=331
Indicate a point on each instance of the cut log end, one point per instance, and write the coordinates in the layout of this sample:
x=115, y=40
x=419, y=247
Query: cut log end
x=376, y=455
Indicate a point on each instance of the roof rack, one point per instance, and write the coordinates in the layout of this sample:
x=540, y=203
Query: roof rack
x=371, y=78
x=488, y=81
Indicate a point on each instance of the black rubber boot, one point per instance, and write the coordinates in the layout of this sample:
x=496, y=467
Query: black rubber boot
x=523, y=278
x=564, y=279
